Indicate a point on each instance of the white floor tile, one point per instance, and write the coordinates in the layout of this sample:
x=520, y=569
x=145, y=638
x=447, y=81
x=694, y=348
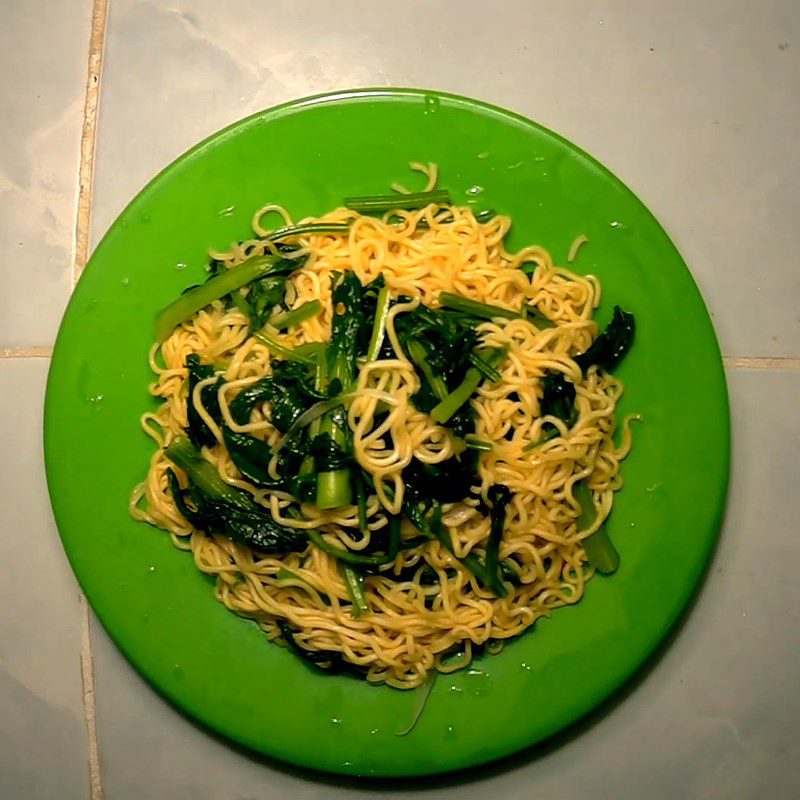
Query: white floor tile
x=44, y=51
x=43, y=752
x=715, y=718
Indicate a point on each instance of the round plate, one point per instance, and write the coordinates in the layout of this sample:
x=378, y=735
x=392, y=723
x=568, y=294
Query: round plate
x=161, y=611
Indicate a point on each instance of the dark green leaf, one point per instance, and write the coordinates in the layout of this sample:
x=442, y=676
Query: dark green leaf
x=199, y=433
x=558, y=397
x=262, y=297
x=610, y=347
x=223, y=509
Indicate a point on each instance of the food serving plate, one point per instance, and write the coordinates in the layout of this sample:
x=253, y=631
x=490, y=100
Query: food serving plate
x=160, y=610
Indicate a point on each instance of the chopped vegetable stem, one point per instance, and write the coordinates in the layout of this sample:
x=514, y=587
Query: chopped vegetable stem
x=285, y=352
x=600, y=550
x=306, y=229
x=288, y=319
x=340, y=554
x=354, y=583
x=462, y=393
x=374, y=204
x=379, y=327
x=229, y=281
x=418, y=355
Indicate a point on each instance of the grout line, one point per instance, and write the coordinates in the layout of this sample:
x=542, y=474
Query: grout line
x=762, y=363
x=87, y=681
x=26, y=352
x=89, y=136
x=82, y=220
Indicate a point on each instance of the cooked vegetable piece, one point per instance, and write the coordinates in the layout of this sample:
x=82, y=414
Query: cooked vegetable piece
x=488, y=311
x=289, y=391
x=262, y=297
x=418, y=354
x=462, y=393
x=333, y=484
x=610, y=347
x=302, y=356
x=199, y=433
x=558, y=397
x=424, y=495
x=288, y=319
x=354, y=583
x=377, y=204
x=251, y=457
x=188, y=304
x=499, y=497
x=448, y=481
x=307, y=228
x=330, y=661
x=600, y=550
x=222, y=509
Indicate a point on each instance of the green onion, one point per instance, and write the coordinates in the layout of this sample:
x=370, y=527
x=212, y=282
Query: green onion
x=229, y=281
x=600, y=550
x=334, y=487
x=307, y=228
x=379, y=326
x=240, y=301
x=499, y=497
x=387, y=202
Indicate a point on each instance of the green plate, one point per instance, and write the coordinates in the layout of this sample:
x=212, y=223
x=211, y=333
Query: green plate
x=160, y=610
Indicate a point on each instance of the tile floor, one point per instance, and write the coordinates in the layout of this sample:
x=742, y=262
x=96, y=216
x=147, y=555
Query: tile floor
x=695, y=106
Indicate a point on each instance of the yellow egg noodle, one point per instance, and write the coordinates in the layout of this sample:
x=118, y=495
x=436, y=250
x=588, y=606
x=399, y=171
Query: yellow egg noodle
x=413, y=626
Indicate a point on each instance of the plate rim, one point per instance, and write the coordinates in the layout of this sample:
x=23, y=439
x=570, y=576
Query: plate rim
x=656, y=647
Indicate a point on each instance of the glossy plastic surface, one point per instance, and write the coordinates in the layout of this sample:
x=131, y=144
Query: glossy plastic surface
x=161, y=611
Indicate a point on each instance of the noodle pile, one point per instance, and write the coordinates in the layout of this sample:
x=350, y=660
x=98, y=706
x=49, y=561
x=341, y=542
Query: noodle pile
x=415, y=624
